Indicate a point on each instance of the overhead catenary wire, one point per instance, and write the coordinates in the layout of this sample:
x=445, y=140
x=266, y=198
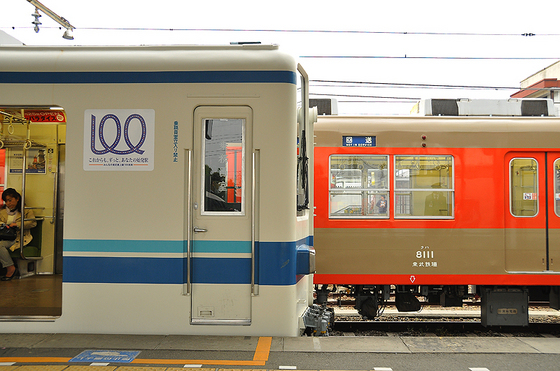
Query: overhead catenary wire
x=363, y=98
x=352, y=32
x=424, y=57
x=376, y=84
x=365, y=32
x=376, y=101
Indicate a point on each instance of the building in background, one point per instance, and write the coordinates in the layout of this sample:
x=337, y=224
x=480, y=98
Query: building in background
x=543, y=84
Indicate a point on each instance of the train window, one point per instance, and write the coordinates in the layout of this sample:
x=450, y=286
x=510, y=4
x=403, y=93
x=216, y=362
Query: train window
x=224, y=148
x=359, y=186
x=424, y=187
x=303, y=120
x=523, y=187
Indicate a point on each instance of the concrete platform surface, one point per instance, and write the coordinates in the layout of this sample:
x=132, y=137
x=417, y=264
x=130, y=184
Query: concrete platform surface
x=333, y=344
x=86, y=352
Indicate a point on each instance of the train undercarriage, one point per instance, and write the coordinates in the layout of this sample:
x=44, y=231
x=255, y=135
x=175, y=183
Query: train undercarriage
x=499, y=305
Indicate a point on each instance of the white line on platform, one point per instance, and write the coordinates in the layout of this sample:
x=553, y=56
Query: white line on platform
x=382, y=369
x=316, y=343
x=99, y=364
x=287, y=367
x=192, y=366
x=478, y=369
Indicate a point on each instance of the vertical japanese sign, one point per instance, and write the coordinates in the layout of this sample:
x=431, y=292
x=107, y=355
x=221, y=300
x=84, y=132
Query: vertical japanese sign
x=119, y=140
x=176, y=141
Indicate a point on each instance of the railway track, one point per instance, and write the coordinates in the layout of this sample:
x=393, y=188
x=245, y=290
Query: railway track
x=336, y=302
x=439, y=328
x=438, y=321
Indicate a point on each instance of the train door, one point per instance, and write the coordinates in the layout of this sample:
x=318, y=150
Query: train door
x=553, y=186
x=221, y=256
x=532, y=237
x=32, y=141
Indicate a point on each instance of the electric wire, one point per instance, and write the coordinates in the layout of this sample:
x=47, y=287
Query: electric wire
x=363, y=96
x=317, y=85
x=424, y=57
x=373, y=84
x=256, y=30
x=318, y=31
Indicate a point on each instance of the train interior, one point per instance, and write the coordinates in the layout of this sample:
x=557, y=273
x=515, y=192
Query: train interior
x=32, y=161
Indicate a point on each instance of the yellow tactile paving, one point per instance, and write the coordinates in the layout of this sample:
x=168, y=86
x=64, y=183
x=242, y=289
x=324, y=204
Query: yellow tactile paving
x=118, y=368
x=41, y=368
x=199, y=362
x=263, y=349
x=148, y=368
x=37, y=360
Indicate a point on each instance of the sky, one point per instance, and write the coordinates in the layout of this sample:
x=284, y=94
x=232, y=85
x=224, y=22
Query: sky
x=374, y=57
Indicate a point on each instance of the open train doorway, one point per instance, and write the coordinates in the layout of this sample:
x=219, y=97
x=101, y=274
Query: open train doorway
x=32, y=157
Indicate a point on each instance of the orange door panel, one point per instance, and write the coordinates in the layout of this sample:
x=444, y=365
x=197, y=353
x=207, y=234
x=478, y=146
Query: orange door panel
x=553, y=185
x=525, y=214
x=532, y=233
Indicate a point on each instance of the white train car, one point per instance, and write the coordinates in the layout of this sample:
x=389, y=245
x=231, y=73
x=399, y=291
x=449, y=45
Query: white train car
x=186, y=210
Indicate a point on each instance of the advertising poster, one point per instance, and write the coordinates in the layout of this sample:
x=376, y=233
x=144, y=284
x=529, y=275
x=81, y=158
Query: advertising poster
x=119, y=140
x=35, y=161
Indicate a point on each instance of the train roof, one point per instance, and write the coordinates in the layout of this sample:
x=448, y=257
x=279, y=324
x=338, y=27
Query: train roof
x=143, y=58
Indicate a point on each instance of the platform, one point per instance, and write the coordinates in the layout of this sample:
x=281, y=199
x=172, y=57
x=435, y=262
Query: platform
x=117, y=351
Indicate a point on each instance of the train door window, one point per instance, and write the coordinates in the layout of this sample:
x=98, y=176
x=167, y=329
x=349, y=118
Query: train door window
x=524, y=187
x=302, y=175
x=424, y=187
x=359, y=186
x=224, y=148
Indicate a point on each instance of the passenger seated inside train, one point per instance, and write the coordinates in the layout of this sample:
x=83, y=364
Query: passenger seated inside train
x=436, y=202
x=214, y=199
x=10, y=217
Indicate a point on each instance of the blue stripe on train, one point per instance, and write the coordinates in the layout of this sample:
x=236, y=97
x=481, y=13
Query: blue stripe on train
x=156, y=247
x=148, y=77
x=123, y=246
x=155, y=270
x=276, y=264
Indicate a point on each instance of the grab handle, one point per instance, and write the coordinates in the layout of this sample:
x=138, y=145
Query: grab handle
x=187, y=286
x=254, y=219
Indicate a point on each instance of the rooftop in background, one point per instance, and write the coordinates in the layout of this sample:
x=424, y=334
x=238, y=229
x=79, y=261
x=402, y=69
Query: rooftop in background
x=542, y=84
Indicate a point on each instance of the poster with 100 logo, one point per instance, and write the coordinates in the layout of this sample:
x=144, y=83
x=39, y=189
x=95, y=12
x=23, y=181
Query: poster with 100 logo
x=119, y=140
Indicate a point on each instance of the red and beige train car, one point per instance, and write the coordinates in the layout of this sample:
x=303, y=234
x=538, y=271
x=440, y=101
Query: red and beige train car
x=436, y=206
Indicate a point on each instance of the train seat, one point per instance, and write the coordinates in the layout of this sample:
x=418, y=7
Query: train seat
x=31, y=252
